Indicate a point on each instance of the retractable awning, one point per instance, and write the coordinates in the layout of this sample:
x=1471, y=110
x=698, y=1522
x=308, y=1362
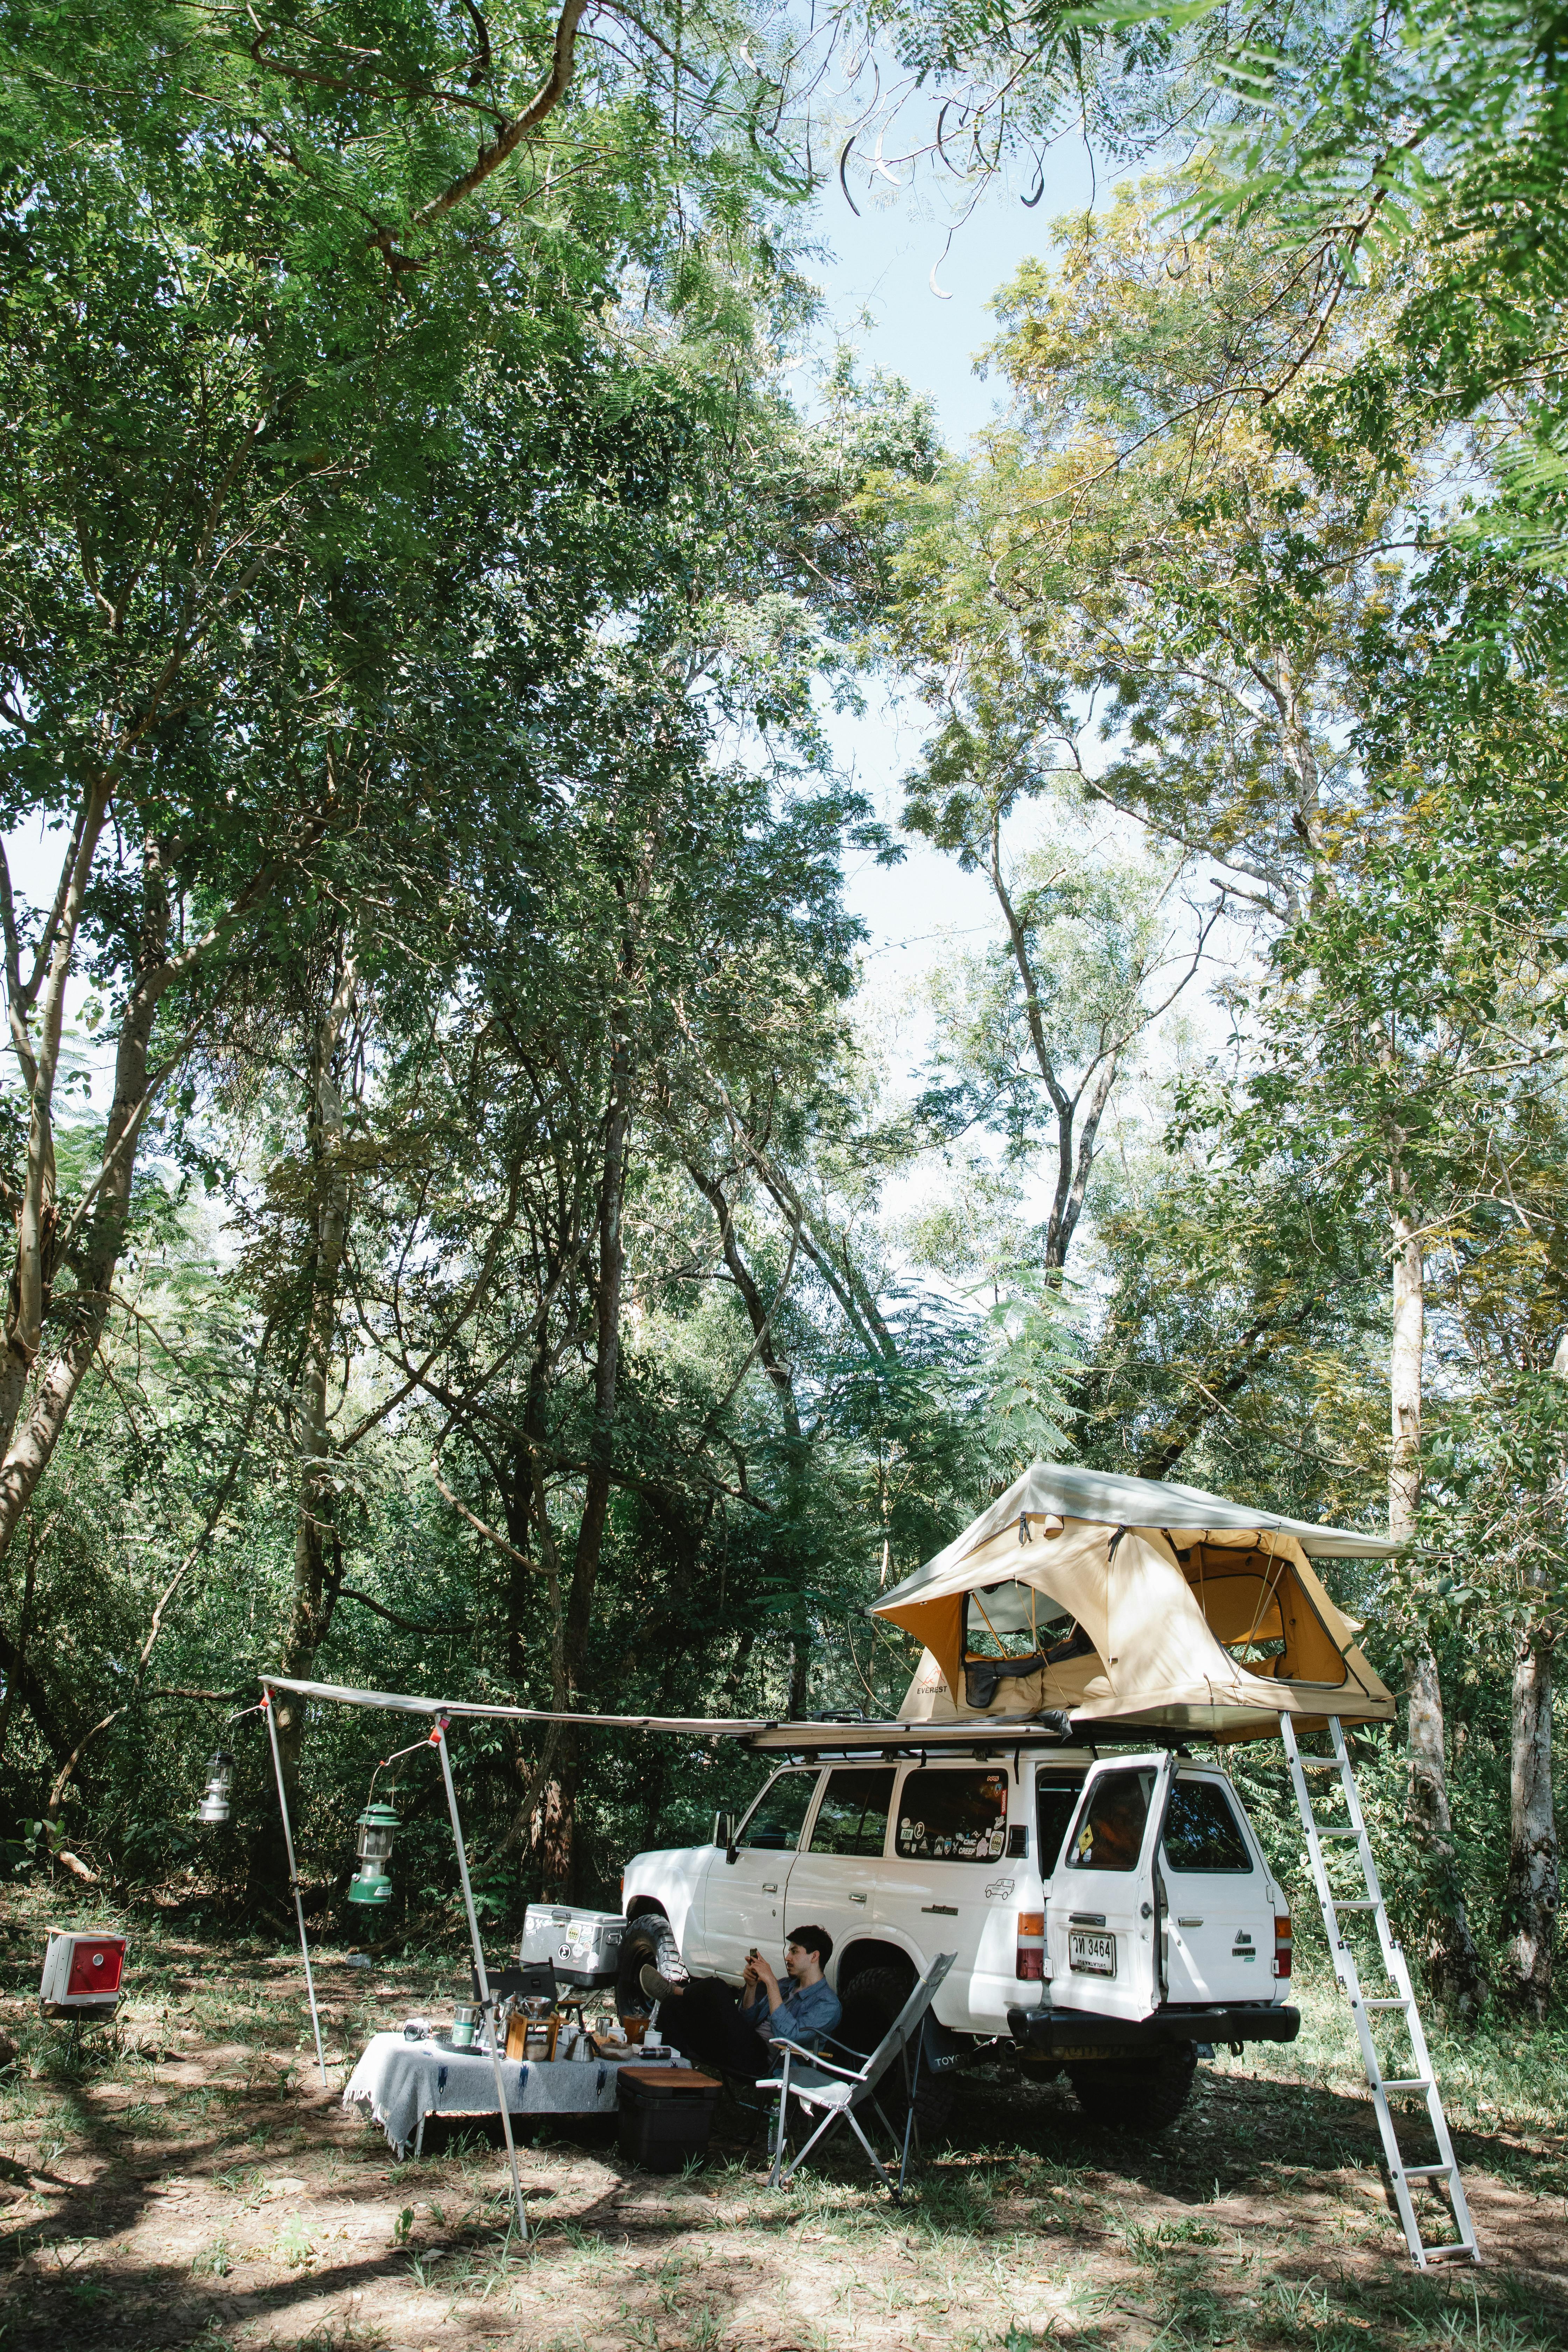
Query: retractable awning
x=404, y=1703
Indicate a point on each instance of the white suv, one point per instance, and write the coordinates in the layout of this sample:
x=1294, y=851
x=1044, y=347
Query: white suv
x=1109, y=1914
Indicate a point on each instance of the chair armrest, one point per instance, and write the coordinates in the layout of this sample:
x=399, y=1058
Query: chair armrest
x=814, y=2058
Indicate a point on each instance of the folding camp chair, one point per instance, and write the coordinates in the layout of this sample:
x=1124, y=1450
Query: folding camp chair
x=835, y=2093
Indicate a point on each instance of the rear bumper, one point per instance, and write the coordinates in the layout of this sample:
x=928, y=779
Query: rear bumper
x=1068, y=2033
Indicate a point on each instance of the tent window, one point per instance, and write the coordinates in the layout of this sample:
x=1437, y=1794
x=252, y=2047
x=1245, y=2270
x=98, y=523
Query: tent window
x=774, y=1822
x=954, y=1817
x=1055, y=1796
x=853, y=1815
x=1201, y=1831
x=1111, y=1834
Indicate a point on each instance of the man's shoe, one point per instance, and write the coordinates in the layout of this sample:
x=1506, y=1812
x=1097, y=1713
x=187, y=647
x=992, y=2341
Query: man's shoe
x=659, y=1988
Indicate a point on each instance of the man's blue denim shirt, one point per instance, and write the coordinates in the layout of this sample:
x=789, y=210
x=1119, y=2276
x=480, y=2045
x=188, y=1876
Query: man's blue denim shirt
x=808, y=2016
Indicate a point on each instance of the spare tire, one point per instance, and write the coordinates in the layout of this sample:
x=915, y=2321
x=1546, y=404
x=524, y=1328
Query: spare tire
x=648, y=1942
x=1142, y=2094
x=871, y=2002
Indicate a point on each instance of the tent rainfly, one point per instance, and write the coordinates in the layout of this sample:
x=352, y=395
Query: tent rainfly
x=1131, y=1601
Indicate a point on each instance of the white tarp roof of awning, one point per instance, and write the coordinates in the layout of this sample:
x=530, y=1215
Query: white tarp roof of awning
x=402, y=1703
x=1104, y=1498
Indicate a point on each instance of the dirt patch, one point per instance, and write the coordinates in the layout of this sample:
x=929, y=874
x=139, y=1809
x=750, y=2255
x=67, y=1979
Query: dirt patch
x=185, y=2182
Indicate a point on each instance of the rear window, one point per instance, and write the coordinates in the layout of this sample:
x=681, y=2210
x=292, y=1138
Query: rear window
x=954, y=1817
x=775, y=1821
x=1056, y=1797
x=853, y=1815
x=1201, y=1831
x=1111, y=1834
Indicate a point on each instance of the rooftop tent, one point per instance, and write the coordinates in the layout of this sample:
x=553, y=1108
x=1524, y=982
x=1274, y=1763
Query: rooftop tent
x=1133, y=1600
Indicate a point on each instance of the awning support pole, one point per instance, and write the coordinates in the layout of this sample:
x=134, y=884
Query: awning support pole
x=439, y=1735
x=269, y=1712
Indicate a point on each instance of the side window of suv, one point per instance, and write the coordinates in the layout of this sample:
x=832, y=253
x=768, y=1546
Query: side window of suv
x=1201, y=1831
x=853, y=1815
x=954, y=1817
x=775, y=1821
x=1111, y=1834
x=1055, y=1796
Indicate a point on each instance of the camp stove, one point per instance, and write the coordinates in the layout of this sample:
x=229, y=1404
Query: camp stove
x=83, y=1972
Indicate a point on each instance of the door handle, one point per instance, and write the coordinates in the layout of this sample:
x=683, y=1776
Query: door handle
x=769, y=1887
x=948, y=1910
x=858, y=1898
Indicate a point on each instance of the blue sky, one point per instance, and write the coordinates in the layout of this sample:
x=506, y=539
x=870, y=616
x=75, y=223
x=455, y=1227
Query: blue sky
x=875, y=275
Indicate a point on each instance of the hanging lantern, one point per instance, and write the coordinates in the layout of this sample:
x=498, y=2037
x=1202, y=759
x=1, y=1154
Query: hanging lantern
x=371, y=1882
x=213, y=1810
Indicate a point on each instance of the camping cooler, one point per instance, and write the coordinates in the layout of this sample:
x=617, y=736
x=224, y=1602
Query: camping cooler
x=583, y=1947
x=664, y=2115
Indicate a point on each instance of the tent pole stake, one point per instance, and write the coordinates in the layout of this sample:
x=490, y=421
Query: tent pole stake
x=294, y=1882
x=439, y=1736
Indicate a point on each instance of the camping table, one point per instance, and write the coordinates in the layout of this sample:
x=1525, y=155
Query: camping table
x=404, y=2083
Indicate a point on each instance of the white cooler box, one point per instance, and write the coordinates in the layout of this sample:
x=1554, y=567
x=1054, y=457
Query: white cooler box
x=583, y=1947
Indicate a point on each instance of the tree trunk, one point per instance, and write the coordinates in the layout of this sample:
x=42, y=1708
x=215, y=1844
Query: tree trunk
x=38, y=1059
x=517, y=1500
x=315, y=1529
x=606, y=1369
x=30, y=1447
x=1531, y=1900
x=560, y=1814
x=1454, y=1960
x=1533, y=1863
x=782, y=1376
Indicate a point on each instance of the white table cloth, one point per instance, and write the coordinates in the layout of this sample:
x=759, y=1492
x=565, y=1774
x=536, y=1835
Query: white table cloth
x=402, y=2083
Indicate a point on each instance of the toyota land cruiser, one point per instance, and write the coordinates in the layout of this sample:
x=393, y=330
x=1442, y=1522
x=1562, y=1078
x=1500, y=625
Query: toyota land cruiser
x=1109, y=1913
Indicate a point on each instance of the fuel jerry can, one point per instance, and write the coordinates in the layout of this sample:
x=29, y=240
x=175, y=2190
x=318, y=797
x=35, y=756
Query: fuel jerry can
x=83, y=1972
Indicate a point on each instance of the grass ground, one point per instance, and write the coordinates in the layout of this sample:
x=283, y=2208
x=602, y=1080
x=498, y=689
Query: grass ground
x=186, y=2183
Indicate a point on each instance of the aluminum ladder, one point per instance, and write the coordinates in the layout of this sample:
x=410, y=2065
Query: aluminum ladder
x=1401, y=1998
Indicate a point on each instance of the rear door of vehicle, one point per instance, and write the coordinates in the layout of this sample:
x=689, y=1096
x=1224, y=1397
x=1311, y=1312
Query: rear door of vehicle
x=836, y=1881
x=955, y=1887
x=1102, y=1915
x=1220, y=1909
x=742, y=1900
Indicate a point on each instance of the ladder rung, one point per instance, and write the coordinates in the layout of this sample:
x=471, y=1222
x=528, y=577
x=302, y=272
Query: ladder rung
x=1415, y=2082
x=1445, y=2253
x=1319, y=1763
x=1395, y=2001
x=1322, y=1832
x=1355, y=1903
x=1427, y=2172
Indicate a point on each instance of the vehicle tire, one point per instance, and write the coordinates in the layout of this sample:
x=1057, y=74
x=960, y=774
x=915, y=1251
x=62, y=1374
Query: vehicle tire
x=871, y=2000
x=1141, y=2096
x=648, y=1942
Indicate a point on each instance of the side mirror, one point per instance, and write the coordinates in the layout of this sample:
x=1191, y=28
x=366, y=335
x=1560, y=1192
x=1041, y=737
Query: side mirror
x=724, y=1831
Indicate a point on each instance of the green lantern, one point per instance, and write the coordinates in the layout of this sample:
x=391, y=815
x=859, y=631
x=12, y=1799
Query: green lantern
x=371, y=1882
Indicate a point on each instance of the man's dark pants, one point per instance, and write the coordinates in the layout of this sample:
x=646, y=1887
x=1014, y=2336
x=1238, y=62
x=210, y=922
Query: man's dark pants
x=705, y=2024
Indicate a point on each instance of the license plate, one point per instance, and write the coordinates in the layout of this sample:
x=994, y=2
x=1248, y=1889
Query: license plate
x=1091, y=1956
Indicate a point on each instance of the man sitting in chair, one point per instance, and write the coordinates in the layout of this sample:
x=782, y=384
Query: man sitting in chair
x=707, y=2020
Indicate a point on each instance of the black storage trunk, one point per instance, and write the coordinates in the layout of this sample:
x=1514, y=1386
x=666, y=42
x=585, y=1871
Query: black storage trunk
x=664, y=2115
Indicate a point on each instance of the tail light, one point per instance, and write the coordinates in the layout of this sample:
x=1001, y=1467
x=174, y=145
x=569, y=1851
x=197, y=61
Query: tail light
x=1030, y=1964
x=1282, y=1946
